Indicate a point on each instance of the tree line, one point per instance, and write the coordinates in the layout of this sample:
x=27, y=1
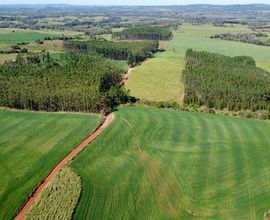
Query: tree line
x=134, y=52
x=143, y=33
x=254, y=38
x=81, y=83
x=222, y=82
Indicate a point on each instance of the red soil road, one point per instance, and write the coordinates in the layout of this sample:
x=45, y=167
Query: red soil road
x=22, y=214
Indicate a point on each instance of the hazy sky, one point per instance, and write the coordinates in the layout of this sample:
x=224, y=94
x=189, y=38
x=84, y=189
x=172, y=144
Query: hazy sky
x=132, y=2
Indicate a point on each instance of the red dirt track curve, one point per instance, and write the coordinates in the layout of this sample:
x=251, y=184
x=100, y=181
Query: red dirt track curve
x=21, y=215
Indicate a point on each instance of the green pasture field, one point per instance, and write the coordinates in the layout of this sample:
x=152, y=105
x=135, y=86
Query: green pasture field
x=22, y=36
x=31, y=144
x=59, y=198
x=166, y=164
x=158, y=79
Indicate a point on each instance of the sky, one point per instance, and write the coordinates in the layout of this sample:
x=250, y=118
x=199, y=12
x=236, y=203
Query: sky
x=132, y=2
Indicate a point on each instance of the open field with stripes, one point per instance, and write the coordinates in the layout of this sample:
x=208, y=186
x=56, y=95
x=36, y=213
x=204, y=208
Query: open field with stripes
x=160, y=164
x=31, y=144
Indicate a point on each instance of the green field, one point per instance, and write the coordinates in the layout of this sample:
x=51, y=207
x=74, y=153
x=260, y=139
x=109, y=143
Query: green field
x=22, y=36
x=158, y=79
x=161, y=164
x=31, y=144
x=121, y=64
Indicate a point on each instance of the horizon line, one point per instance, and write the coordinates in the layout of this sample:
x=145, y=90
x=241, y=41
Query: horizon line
x=67, y=4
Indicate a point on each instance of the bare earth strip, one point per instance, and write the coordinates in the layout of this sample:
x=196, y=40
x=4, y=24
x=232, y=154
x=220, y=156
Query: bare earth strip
x=22, y=214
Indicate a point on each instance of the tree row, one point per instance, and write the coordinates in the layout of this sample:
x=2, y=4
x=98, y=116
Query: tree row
x=222, y=82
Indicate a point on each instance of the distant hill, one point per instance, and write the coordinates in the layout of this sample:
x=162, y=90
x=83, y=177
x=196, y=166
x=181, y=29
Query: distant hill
x=184, y=8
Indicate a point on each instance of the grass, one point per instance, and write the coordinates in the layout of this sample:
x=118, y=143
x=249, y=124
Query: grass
x=50, y=46
x=158, y=79
x=165, y=164
x=121, y=64
x=22, y=36
x=6, y=57
x=59, y=199
x=31, y=144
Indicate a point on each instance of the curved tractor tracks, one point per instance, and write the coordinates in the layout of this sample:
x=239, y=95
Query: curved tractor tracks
x=25, y=208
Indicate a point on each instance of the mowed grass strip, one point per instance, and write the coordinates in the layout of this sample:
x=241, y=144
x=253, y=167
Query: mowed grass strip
x=31, y=144
x=160, y=164
x=158, y=79
x=59, y=199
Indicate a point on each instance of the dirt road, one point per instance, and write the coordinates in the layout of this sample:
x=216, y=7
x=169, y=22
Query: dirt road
x=21, y=215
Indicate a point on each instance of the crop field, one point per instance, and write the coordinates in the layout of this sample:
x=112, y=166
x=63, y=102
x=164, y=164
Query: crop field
x=198, y=37
x=22, y=36
x=31, y=144
x=161, y=164
x=59, y=199
x=50, y=46
x=158, y=79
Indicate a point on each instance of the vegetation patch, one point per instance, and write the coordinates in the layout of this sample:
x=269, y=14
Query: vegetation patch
x=81, y=83
x=254, y=38
x=134, y=52
x=147, y=33
x=59, y=198
x=219, y=81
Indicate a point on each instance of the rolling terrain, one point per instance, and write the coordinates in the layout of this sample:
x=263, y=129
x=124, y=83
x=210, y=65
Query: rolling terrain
x=156, y=164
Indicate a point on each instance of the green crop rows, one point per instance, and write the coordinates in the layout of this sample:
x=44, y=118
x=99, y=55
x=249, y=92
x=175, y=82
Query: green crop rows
x=160, y=164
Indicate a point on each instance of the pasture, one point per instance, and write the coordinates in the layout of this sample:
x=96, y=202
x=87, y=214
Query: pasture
x=161, y=164
x=31, y=144
x=158, y=79
x=22, y=36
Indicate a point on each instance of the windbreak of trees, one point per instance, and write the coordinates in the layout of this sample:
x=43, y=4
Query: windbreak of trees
x=143, y=33
x=133, y=51
x=222, y=82
x=255, y=38
x=80, y=83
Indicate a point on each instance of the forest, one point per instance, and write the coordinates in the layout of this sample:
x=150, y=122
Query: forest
x=147, y=33
x=79, y=83
x=134, y=52
x=223, y=82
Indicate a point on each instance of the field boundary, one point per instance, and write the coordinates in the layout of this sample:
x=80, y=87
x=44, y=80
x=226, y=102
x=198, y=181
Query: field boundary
x=37, y=191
